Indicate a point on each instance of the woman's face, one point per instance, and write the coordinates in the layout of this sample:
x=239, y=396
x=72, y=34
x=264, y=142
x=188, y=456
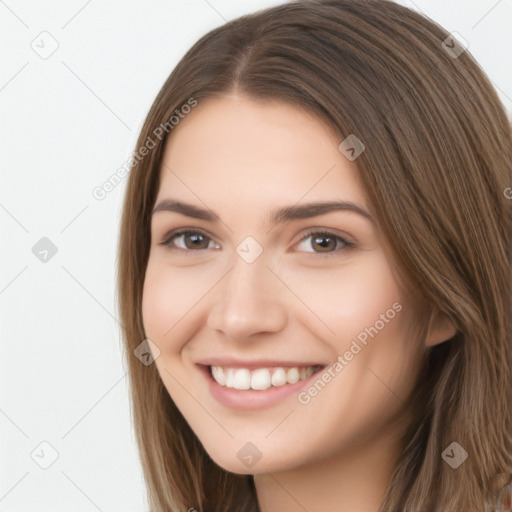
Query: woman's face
x=250, y=291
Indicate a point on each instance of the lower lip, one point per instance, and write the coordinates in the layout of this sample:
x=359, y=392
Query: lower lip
x=252, y=399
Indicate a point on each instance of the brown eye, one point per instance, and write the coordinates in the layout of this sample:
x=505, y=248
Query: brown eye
x=188, y=241
x=325, y=242
x=195, y=241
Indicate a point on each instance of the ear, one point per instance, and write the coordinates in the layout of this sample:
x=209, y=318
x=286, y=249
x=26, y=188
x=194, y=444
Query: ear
x=440, y=329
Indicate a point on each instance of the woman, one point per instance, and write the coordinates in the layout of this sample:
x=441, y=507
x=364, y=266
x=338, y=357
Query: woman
x=314, y=269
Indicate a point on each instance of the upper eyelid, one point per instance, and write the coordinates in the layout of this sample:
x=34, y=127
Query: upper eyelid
x=184, y=231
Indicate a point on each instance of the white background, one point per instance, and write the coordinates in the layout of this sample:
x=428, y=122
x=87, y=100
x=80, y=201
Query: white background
x=67, y=123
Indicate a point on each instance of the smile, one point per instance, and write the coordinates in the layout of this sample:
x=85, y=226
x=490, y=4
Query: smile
x=260, y=378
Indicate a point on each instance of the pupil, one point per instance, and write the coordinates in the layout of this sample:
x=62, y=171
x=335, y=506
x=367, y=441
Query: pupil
x=195, y=239
x=321, y=240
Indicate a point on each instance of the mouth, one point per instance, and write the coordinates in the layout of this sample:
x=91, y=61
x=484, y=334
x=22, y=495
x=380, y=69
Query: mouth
x=260, y=379
x=258, y=384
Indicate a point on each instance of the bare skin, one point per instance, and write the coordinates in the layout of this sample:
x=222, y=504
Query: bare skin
x=302, y=299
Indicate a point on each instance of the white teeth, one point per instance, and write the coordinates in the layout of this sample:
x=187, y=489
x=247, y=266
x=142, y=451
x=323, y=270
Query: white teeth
x=292, y=375
x=230, y=377
x=279, y=377
x=218, y=374
x=261, y=378
x=242, y=379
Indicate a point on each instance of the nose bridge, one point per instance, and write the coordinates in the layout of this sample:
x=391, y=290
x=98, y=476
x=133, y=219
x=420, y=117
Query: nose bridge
x=249, y=299
x=248, y=279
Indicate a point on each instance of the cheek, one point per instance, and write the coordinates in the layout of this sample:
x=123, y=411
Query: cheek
x=374, y=311
x=168, y=297
x=349, y=298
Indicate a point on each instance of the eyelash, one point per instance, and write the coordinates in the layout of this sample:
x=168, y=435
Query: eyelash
x=168, y=240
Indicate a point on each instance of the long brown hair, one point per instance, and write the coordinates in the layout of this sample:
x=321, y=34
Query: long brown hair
x=436, y=167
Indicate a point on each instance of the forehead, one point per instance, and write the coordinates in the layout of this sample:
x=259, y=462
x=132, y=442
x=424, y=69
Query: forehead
x=251, y=153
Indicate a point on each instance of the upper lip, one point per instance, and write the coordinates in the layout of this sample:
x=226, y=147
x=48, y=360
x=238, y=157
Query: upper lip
x=230, y=362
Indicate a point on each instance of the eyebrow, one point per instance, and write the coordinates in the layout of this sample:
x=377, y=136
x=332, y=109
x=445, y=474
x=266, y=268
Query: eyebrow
x=277, y=216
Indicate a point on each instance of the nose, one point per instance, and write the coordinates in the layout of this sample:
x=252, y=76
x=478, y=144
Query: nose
x=249, y=300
